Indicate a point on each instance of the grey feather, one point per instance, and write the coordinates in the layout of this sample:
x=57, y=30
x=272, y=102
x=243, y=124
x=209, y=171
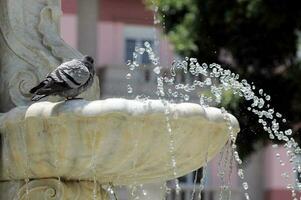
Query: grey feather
x=67, y=80
x=75, y=69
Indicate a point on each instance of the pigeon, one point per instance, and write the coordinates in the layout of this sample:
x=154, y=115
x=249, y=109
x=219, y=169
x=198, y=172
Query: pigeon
x=68, y=80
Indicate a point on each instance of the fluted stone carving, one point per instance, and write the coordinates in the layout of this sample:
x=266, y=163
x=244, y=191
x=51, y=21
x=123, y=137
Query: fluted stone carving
x=30, y=47
x=51, y=189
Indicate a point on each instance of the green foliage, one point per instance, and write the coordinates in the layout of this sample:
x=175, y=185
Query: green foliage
x=261, y=35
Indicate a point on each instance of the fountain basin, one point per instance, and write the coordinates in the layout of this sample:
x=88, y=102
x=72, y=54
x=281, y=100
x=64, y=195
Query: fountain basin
x=116, y=141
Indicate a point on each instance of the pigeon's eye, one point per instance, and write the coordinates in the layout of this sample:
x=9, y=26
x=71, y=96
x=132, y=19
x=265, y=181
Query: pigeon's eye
x=89, y=59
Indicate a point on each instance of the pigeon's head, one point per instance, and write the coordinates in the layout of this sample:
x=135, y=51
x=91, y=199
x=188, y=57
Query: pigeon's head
x=89, y=63
x=88, y=59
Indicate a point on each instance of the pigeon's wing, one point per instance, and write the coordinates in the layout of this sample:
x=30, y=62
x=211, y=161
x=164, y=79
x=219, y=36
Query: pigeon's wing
x=74, y=73
x=49, y=86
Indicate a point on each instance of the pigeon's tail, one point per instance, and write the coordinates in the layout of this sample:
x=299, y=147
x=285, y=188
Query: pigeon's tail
x=39, y=91
x=38, y=97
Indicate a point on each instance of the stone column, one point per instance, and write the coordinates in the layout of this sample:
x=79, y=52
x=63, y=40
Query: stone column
x=30, y=48
x=87, y=26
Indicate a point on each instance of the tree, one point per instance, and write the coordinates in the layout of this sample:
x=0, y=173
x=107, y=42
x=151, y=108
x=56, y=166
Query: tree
x=262, y=38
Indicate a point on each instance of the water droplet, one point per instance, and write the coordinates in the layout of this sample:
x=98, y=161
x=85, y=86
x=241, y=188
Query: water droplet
x=245, y=185
x=208, y=81
x=147, y=44
x=186, y=97
x=247, y=196
x=140, y=50
x=288, y=132
x=157, y=70
x=275, y=146
x=135, y=55
x=128, y=76
x=132, y=67
x=129, y=89
x=278, y=115
x=128, y=62
x=240, y=173
x=175, y=94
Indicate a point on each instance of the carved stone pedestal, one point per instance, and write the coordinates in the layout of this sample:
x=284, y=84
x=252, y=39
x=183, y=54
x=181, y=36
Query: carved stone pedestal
x=31, y=47
x=51, y=189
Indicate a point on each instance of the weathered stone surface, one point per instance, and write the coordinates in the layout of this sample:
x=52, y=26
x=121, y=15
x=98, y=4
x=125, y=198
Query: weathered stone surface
x=51, y=189
x=30, y=47
x=117, y=140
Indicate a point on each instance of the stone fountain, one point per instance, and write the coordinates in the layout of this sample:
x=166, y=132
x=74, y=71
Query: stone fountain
x=64, y=150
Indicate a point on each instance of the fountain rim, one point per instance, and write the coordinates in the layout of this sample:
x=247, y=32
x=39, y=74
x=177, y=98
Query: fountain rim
x=79, y=109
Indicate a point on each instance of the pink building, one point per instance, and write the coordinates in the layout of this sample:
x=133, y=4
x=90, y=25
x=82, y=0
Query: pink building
x=109, y=30
x=120, y=26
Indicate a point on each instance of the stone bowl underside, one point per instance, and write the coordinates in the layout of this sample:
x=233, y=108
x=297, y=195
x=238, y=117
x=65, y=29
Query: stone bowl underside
x=115, y=141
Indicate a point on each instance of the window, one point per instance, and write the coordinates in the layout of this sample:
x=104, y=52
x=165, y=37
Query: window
x=129, y=49
x=145, y=59
x=131, y=44
x=147, y=75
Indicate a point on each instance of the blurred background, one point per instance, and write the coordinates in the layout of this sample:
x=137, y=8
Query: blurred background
x=258, y=39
